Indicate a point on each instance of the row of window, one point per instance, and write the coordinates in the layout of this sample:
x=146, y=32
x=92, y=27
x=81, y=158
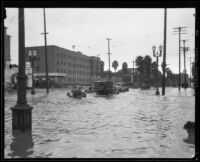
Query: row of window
x=74, y=65
x=78, y=80
x=73, y=72
x=60, y=55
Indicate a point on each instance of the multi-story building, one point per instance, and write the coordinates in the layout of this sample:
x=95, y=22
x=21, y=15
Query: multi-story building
x=64, y=66
x=10, y=71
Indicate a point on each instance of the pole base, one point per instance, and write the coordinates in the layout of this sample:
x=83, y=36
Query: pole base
x=32, y=92
x=22, y=117
x=157, y=93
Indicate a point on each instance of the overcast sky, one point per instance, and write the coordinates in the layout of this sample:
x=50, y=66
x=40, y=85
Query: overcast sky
x=132, y=31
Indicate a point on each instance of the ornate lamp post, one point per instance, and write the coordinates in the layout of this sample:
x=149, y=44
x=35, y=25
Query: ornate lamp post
x=32, y=57
x=157, y=55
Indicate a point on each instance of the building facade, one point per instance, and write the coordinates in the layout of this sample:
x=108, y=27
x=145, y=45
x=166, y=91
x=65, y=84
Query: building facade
x=11, y=71
x=65, y=67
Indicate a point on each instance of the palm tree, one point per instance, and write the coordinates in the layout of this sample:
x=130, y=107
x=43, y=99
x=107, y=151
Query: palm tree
x=147, y=67
x=125, y=67
x=139, y=64
x=115, y=65
x=153, y=71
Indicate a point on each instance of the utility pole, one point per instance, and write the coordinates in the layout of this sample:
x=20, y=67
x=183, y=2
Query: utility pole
x=180, y=31
x=45, y=50
x=109, y=55
x=164, y=52
x=184, y=51
x=133, y=72
x=190, y=71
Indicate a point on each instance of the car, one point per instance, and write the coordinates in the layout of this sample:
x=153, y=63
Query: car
x=121, y=87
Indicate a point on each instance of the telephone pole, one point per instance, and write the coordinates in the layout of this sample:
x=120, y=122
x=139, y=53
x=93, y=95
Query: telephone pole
x=109, y=55
x=180, y=31
x=164, y=52
x=133, y=72
x=184, y=51
x=45, y=50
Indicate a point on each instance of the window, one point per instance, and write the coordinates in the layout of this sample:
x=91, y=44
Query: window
x=61, y=62
x=69, y=64
x=57, y=62
x=58, y=70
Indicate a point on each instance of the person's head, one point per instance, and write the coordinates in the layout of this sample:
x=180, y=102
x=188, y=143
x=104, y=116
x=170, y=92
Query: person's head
x=189, y=126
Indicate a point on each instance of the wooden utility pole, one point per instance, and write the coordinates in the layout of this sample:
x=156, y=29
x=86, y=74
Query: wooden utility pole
x=109, y=55
x=133, y=72
x=184, y=52
x=164, y=52
x=45, y=50
x=180, y=31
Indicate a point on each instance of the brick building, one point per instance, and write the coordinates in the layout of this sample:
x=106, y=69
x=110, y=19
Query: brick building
x=65, y=67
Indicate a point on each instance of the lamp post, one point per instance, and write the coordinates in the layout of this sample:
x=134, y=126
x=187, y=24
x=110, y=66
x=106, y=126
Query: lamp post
x=32, y=57
x=157, y=55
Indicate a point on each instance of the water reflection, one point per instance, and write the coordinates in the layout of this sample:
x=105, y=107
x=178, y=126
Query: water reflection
x=132, y=124
x=22, y=145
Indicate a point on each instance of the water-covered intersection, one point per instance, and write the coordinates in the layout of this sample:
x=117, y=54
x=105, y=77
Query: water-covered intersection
x=133, y=124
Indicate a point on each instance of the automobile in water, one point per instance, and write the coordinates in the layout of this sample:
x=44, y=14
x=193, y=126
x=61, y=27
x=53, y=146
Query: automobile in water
x=76, y=93
x=121, y=87
x=103, y=87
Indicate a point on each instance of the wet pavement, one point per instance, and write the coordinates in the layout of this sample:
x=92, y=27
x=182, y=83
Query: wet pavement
x=134, y=124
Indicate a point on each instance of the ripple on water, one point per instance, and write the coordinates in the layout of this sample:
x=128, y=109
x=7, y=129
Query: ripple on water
x=132, y=124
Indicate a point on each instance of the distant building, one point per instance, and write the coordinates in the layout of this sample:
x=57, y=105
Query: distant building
x=132, y=75
x=65, y=67
x=174, y=79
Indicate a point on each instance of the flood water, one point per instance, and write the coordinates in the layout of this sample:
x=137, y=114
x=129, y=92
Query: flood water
x=134, y=124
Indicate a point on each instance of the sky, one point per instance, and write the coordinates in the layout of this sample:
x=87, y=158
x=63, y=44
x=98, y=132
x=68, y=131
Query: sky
x=133, y=32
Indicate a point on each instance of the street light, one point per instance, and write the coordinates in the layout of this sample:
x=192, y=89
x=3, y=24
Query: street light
x=32, y=57
x=157, y=55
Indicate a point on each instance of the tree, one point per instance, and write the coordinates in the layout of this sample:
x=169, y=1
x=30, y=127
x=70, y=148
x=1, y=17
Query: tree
x=147, y=67
x=125, y=67
x=153, y=71
x=139, y=64
x=115, y=65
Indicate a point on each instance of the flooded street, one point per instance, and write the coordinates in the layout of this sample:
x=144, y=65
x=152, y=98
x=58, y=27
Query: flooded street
x=134, y=124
